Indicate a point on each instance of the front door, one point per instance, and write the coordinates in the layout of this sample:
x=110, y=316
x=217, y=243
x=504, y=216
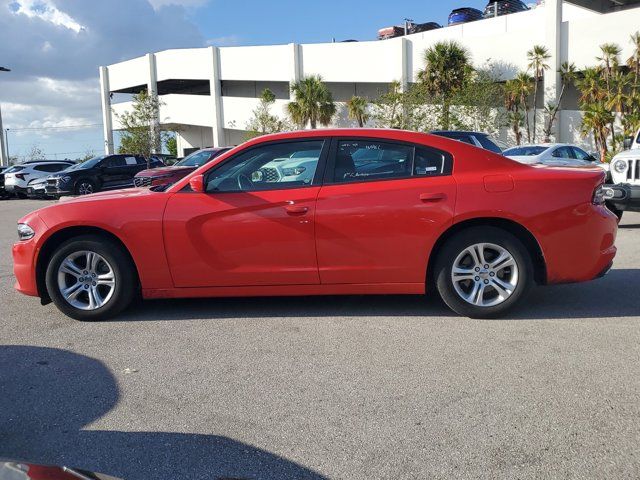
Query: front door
x=382, y=208
x=255, y=223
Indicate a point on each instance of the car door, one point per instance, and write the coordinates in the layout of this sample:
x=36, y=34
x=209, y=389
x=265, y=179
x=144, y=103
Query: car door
x=255, y=223
x=112, y=171
x=382, y=206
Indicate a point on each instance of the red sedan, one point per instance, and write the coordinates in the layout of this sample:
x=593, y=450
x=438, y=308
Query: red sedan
x=161, y=176
x=326, y=212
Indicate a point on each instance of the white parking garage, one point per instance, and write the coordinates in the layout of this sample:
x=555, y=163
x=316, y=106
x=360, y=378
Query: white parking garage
x=208, y=94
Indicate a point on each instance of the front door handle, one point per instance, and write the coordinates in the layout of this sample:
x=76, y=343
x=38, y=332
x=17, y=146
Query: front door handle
x=432, y=197
x=296, y=209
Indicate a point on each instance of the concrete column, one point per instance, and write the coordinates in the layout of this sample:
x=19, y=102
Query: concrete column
x=215, y=89
x=152, y=90
x=553, y=39
x=107, y=125
x=295, y=74
x=403, y=74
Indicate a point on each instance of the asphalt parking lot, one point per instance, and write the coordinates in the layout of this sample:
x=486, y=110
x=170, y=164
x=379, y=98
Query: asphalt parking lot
x=339, y=387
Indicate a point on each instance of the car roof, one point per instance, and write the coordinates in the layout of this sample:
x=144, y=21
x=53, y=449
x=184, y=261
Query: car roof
x=461, y=132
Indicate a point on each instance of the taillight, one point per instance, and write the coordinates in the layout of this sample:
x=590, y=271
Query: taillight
x=602, y=194
x=20, y=176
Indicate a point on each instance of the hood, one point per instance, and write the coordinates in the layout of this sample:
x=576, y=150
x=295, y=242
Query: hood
x=156, y=172
x=111, y=194
x=633, y=153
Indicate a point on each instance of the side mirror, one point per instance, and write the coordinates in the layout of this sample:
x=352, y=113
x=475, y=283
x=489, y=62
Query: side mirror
x=197, y=183
x=626, y=144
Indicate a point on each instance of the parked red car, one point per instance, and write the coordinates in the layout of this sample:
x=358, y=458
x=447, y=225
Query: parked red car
x=167, y=175
x=326, y=212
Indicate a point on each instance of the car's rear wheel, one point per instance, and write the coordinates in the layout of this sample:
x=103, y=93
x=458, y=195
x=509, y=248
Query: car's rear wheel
x=483, y=272
x=91, y=278
x=85, y=187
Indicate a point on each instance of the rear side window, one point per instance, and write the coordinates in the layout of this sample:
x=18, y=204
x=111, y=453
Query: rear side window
x=53, y=167
x=116, y=161
x=363, y=160
x=430, y=162
x=488, y=144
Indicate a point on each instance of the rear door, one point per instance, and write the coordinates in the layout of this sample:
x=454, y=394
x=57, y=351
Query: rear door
x=381, y=208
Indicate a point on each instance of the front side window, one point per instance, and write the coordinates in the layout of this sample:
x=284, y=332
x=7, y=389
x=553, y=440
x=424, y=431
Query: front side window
x=582, y=155
x=363, y=160
x=269, y=167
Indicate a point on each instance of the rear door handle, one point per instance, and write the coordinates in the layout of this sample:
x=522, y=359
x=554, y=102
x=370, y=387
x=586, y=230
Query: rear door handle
x=432, y=197
x=296, y=209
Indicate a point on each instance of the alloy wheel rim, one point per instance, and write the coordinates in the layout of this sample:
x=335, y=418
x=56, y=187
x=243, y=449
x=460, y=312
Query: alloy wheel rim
x=484, y=274
x=85, y=189
x=86, y=280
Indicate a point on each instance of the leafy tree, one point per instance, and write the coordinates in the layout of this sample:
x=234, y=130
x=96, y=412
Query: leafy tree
x=313, y=103
x=171, y=144
x=35, y=153
x=447, y=69
x=568, y=72
x=141, y=134
x=400, y=109
x=476, y=105
x=263, y=122
x=537, y=57
x=357, y=108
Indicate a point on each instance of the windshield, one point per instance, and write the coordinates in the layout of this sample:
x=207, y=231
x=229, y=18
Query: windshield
x=92, y=162
x=529, y=151
x=196, y=159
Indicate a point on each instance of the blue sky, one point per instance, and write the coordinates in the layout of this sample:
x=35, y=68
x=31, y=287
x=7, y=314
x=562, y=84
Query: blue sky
x=54, y=48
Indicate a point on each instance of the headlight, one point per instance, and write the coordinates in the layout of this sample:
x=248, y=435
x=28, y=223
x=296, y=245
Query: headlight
x=288, y=172
x=25, y=232
x=620, y=166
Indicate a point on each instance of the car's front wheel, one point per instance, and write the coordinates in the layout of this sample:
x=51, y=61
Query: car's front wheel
x=84, y=187
x=483, y=272
x=91, y=278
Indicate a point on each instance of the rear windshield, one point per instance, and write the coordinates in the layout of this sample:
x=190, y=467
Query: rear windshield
x=524, y=151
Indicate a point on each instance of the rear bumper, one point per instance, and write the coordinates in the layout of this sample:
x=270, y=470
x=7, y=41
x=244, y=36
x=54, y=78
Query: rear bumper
x=625, y=197
x=585, y=248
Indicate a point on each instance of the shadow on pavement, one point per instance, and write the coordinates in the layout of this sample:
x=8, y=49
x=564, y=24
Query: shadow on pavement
x=582, y=300
x=49, y=395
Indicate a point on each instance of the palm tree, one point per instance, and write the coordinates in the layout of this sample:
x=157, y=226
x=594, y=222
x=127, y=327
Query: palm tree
x=596, y=119
x=610, y=60
x=537, y=56
x=447, y=69
x=591, y=85
x=357, y=107
x=568, y=74
x=313, y=103
x=523, y=87
x=512, y=104
x=634, y=60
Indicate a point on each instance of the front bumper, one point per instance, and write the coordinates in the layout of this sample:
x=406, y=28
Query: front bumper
x=625, y=197
x=55, y=191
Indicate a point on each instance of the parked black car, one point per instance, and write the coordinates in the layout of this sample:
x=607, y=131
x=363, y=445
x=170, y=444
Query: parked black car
x=495, y=8
x=464, y=15
x=423, y=27
x=105, y=172
x=478, y=139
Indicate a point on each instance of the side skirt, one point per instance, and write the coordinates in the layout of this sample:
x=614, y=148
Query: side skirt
x=287, y=290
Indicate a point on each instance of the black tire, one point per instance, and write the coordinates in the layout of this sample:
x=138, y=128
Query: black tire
x=83, y=185
x=475, y=235
x=617, y=212
x=126, y=282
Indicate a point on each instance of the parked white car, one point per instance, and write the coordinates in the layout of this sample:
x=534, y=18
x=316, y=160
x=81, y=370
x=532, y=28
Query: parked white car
x=17, y=178
x=556, y=154
x=625, y=177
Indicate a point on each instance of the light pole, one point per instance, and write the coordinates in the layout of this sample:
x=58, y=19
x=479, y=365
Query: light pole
x=4, y=150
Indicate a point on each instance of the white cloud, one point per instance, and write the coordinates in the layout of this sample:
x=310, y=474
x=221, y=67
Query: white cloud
x=227, y=41
x=54, y=49
x=47, y=11
x=184, y=3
